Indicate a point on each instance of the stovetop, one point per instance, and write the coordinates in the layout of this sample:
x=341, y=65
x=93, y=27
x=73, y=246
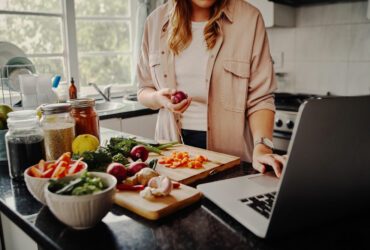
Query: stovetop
x=290, y=101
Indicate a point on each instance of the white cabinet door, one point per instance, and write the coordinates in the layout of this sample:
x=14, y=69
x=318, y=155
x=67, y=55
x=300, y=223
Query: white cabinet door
x=14, y=237
x=141, y=125
x=275, y=14
x=113, y=123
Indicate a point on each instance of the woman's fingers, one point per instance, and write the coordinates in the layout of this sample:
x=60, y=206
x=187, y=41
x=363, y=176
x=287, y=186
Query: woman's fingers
x=281, y=158
x=179, y=107
x=268, y=159
x=183, y=109
x=259, y=167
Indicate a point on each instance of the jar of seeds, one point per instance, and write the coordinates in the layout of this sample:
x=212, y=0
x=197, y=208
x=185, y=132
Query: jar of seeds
x=59, y=129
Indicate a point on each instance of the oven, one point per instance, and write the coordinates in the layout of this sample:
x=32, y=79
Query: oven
x=287, y=105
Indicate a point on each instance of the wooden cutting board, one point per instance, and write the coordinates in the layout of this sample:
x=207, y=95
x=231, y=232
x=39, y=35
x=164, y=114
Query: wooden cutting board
x=217, y=162
x=160, y=206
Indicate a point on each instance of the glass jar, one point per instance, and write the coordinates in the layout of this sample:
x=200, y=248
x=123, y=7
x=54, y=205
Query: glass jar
x=59, y=129
x=24, y=142
x=84, y=113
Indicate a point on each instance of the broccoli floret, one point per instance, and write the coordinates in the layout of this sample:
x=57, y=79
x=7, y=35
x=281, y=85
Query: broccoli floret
x=120, y=158
x=121, y=145
x=97, y=160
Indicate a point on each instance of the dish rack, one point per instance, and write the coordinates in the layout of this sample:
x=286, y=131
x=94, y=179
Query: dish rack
x=12, y=97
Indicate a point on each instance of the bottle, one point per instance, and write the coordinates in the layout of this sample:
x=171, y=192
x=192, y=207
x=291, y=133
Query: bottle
x=87, y=120
x=59, y=129
x=24, y=142
x=72, y=90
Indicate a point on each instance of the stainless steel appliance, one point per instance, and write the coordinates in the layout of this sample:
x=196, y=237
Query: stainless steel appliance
x=287, y=105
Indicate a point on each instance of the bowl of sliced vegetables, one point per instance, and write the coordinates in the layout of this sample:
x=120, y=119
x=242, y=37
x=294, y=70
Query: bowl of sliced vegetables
x=83, y=201
x=37, y=176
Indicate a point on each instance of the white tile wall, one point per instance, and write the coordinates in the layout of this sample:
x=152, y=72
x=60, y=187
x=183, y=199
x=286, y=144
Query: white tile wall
x=360, y=42
x=358, y=78
x=328, y=51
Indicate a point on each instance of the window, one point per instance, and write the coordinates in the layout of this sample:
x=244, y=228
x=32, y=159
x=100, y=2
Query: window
x=56, y=34
x=35, y=26
x=104, y=29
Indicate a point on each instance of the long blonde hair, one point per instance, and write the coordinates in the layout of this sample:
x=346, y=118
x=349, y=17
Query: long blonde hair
x=180, y=25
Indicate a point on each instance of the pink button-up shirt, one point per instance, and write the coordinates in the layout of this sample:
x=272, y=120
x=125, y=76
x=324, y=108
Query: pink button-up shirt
x=239, y=76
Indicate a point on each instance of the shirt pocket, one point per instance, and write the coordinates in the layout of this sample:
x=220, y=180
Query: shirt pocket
x=235, y=85
x=154, y=64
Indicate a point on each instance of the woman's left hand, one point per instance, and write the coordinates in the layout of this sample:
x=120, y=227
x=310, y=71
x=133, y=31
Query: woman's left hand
x=263, y=156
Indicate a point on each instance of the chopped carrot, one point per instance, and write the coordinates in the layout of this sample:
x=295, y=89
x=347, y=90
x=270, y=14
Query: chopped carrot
x=182, y=159
x=35, y=172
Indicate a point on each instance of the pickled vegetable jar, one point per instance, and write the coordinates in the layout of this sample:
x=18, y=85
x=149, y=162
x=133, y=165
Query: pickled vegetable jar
x=59, y=129
x=84, y=113
x=24, y=142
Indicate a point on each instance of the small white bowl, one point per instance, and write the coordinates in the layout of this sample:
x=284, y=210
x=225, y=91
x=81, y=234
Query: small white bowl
x=35, y=185
x=83, y=211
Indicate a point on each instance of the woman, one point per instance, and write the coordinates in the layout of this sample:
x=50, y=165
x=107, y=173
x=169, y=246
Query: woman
x=217, y=52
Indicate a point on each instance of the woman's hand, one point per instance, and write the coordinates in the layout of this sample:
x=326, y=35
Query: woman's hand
x=263, y=156
x=163, y=97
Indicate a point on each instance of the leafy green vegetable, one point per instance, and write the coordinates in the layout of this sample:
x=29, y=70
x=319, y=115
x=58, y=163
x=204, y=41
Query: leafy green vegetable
x=124, y=145
x=97, y=160
x=86, y=184
x=120, y=158
x=121, y=145
x=117, y=150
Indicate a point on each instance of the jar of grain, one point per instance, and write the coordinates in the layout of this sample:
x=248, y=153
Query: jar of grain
x=84, y=113
x=59, y=129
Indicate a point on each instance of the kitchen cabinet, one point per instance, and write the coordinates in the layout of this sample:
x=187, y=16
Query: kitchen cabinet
x=14, y=237
x=275, y=14
x=140, y=125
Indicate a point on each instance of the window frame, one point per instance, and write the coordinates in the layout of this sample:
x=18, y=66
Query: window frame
x=44, y=14
x=70, y=46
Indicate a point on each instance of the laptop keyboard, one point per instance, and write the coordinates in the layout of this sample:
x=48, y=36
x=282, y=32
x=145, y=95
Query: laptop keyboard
x=261, y=203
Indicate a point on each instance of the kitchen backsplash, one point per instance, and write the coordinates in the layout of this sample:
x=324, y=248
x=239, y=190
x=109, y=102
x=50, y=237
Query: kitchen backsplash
x=328, y=50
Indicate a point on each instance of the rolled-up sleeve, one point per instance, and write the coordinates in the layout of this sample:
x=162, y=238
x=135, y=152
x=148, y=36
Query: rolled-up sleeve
x=262, y=79
x=143, y=69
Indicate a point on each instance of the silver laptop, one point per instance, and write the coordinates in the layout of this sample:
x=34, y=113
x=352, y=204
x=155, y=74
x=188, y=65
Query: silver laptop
x=327, y=175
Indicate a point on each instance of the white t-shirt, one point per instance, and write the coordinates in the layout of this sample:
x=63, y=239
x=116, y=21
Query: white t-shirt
x=190, y=69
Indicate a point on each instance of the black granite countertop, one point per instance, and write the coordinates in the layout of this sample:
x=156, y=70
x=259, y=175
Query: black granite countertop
x=201, y=226
x=129, y=109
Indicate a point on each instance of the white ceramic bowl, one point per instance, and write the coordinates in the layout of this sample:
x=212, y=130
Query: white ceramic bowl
x=83, y=211
x=35, y=185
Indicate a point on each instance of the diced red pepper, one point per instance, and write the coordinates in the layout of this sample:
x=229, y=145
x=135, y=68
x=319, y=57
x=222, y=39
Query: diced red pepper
x=125, y=187
x=175, y=184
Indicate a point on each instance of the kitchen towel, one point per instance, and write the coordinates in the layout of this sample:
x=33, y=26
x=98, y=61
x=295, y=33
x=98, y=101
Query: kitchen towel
x=44, y=90
x=28, y=88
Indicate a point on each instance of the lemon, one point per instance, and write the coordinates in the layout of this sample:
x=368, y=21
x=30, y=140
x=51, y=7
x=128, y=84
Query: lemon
x=83, y=143
x=4, y=110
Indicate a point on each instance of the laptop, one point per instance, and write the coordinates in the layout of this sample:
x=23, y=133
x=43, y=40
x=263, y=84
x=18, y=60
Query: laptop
x=327, y=175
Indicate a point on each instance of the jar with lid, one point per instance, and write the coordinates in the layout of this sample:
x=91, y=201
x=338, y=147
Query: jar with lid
x=59, y=129
x=84, y=113
x=24, y=142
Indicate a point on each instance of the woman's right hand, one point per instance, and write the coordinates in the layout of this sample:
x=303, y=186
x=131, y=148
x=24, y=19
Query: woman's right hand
x=163, y=97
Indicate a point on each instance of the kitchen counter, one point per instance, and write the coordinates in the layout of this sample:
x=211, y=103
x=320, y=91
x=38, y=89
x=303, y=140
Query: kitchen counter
x=200, y=226
x=129, y=109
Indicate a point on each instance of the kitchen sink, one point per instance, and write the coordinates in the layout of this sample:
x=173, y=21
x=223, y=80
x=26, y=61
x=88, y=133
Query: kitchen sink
x=108, y=106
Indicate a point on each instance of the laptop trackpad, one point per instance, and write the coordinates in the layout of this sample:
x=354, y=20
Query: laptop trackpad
x=268, y=180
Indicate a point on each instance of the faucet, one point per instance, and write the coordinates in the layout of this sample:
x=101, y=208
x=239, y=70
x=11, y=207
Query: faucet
x=106, y=91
